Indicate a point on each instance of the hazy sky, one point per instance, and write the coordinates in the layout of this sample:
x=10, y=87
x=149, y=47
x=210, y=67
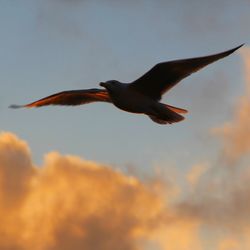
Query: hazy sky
x=48, y=46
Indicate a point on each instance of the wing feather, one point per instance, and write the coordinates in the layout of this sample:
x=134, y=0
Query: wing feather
x=71, y=97
x=165, y=75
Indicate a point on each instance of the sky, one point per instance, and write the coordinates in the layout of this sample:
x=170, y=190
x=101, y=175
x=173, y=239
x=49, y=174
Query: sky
x=189, y=179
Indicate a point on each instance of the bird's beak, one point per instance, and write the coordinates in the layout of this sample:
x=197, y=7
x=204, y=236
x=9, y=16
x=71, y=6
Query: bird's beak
x=102, y=84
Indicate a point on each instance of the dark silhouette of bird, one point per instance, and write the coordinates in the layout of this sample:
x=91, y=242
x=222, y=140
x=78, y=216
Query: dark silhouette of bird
x=141, y=96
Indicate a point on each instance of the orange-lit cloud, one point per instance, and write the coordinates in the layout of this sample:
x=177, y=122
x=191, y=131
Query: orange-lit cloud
x=70, y=203
x=195, y=173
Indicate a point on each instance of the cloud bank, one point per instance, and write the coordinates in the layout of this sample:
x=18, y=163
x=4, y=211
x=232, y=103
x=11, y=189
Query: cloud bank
x=70, y=203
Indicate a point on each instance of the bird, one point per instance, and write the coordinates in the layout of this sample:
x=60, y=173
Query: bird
x=141, y=96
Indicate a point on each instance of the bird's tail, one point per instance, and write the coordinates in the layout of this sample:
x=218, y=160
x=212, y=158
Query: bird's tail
x=177, y=110
x=162, y=114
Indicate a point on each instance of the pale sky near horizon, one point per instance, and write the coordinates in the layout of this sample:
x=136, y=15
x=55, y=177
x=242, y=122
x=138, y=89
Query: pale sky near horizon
x=50, y=46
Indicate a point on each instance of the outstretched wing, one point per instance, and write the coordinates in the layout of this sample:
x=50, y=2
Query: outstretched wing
x=165, y=75
x=72, y=97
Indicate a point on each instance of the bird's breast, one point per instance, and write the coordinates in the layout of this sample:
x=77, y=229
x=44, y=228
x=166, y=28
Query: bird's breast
x=130, y=100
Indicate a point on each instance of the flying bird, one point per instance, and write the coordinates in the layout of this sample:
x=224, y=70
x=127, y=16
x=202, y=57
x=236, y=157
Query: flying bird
x=141, y=96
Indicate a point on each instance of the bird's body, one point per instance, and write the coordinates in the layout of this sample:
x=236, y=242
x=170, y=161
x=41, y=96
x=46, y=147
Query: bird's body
x=127, y=99
x=141, y=96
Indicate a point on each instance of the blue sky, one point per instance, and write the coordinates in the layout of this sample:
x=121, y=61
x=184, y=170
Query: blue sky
x=50, y=46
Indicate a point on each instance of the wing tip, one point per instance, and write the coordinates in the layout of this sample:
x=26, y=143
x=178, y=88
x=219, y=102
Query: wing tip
x=234, y=49
x=240, y=45
x=15, y=106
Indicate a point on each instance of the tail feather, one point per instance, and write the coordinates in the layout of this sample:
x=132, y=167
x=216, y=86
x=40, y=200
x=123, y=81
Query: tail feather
x=164, y=115
x=176, y=109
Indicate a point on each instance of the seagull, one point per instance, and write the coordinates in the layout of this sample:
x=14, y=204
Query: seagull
x=141, y=96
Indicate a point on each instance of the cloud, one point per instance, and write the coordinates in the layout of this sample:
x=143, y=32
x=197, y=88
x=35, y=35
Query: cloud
x=71, y=203
x=195, y=173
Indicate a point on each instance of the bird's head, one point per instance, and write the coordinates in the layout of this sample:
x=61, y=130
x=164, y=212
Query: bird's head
x=109, y=84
